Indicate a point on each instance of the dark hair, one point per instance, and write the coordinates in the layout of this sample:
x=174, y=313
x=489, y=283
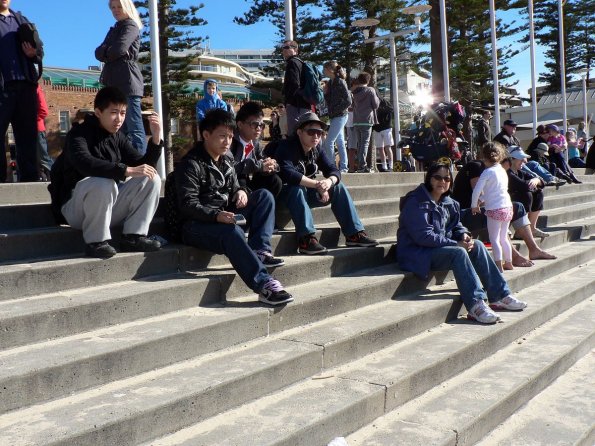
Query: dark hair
x=435, y=167
x=493, y=151
x=109, y=96
x=216, y=117
x=363, y=78
x=291, y=43
x=541, y=129
x=250, y=108
x=334, y=66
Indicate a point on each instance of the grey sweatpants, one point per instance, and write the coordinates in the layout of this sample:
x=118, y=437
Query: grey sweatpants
x=98, y=203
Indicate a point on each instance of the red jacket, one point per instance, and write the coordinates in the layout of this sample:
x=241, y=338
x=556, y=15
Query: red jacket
x=42, y=110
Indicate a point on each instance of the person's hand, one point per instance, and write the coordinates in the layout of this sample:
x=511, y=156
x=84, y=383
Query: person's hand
x=226, y=217
x=534, y=183
x=144, y=170
x=269, y=165
x=466, y=242
x=29, y=51
x=155, y=126
x=476, y=210
x=240, y=199
x=324, y=185
x=324, y=197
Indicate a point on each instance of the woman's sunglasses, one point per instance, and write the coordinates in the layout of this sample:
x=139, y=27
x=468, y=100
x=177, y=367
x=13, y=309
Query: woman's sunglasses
x=441, y=178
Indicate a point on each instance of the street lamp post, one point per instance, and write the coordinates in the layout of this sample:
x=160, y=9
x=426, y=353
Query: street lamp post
x=495, y=65
x=288, y=20
x=583, y=73
x=444, y=39
x=562, y=65
x=533, y=70
x=156, y=75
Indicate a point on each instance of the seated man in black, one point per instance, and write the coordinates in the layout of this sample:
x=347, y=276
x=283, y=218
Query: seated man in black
x=299, y=158
x=210, y=198
x=251, y=164
x=100, y=180
x=464, y=183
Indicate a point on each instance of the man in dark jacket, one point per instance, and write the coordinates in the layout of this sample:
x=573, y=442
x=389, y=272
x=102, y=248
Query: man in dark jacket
x=295, y=104
x=507, y=136
x=211, y=200
x=18, y=93
x=252, y=166
x=484, y=131
x=299, y=159
x=100, y=180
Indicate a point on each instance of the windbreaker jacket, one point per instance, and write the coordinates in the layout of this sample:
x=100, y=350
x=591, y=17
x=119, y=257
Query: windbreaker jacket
x=293, y=82
x=209, y=101
x=365, y=104
x=425, y=225
x=119, y=53
x=507, y=140
x=204, y=187
x=338, y=98
x=293, y=161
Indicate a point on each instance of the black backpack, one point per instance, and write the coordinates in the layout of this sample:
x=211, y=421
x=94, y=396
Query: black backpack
x=384, y=114
x=173, y=220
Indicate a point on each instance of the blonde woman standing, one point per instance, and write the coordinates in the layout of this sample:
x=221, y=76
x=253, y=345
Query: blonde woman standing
x=119, y=53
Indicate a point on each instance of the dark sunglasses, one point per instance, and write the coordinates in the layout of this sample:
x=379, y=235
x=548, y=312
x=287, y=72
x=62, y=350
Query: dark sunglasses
x=441, y=178
x=280, y=106
x=257, y=124
x=314, y=132
x=287, y=47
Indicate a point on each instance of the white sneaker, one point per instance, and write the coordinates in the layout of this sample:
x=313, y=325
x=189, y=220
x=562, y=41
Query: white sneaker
x=510, y=303
x=483, y=314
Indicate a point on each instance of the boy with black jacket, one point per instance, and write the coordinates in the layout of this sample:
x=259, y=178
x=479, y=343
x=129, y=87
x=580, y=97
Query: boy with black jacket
x=211, y=200
x=100, y=180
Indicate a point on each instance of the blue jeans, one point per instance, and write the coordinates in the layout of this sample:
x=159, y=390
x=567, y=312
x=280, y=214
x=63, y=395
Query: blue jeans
x=475, y=272
x=336, y=133
x=537, y=169
x=45, y=161
x=363, y=132
x=300, y=199
x=133, y=125
x=229, y=240
x=577, y=163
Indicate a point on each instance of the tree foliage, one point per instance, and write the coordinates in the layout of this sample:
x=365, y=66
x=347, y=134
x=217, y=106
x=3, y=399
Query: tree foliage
x=177, y=38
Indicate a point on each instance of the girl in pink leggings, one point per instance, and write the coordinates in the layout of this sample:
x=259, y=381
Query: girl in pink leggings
x=492, y=189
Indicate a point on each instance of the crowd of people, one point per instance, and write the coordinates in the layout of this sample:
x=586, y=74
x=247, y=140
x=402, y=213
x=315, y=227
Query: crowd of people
x=228, y=184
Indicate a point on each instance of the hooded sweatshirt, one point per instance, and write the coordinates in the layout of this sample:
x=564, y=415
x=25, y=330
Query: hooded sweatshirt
x=209, y=101
x=365, y=104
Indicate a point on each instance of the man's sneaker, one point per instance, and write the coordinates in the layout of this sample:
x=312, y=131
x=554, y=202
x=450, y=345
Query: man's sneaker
x=138, y=243
x=360, y=239
x=272, y=293
x=267, y=259
x=364, y=170
x=483, y=314
x=100, y=250
x=509, y=303
x=308, y=244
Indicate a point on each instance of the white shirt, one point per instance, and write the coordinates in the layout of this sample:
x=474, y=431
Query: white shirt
x=492, y=187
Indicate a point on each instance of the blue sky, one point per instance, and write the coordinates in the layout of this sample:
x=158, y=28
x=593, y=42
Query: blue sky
x=72, y=29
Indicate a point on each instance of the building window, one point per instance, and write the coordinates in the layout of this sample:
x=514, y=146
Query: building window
x=64, y=121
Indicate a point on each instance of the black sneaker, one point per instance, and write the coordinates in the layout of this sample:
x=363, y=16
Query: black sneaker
x=360, y=239
x=364, y=170
x=138, y=243
x=100, y=250
x=308, y=244
x=267, y=259
x=272, y=293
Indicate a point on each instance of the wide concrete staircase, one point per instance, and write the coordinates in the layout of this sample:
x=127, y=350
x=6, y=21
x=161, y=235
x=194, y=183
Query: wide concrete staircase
x=171, y=348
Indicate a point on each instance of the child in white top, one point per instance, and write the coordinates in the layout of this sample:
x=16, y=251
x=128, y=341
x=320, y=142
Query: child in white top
x=492, y=187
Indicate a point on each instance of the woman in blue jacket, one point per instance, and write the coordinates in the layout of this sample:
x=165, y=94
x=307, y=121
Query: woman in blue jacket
x=119, y=53
x=431, y=238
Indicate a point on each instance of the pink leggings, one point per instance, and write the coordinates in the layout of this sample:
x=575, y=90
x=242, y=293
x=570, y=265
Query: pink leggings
x=501, y=246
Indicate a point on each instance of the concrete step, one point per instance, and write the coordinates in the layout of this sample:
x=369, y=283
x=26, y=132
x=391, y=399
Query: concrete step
x=18, y=193
x=562, y=414
x=341, y=399
x=378, y=325
x=465, y=408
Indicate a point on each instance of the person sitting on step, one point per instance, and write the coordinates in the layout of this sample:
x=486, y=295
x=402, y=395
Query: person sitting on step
x=431, y=238
x=212, y=203
x=299, y=159
x=101, y=180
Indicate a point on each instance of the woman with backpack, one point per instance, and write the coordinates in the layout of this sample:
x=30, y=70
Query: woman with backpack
x=119, y=53
x=338, y=100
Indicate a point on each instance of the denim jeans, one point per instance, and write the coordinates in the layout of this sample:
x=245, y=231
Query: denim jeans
x=44, y=160
x=336, y=132
x=363, y=132
x=537, y=169
x=577, y=163
x=133, y=125
x=229, y=239
x=475, y=272
x=300, y=199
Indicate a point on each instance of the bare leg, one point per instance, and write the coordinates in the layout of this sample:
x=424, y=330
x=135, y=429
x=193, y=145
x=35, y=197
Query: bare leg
x=535, y=252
